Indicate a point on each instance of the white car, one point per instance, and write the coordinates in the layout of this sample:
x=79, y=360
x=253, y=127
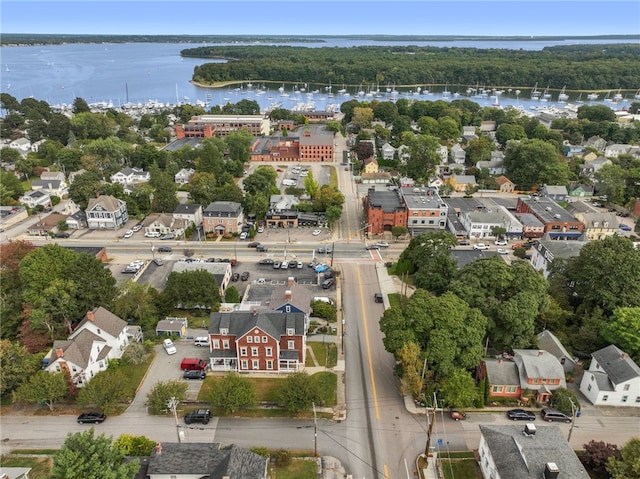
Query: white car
x=500, y=243
x=260, y=229
x=382, y=244
x=169, y=347
x=128, y=234
x=136, y=228
x=152, y=234
x=316, y=232
x=502, y=251
x=480, y=246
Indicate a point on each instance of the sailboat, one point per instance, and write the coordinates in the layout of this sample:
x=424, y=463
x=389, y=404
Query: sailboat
x=546, y=95
x=592, y=96
x=618, y=96
x=7, y=68
x=579, y=101
x=446, y=93
x=637, y=95
x=535, y=94
x=562, y=96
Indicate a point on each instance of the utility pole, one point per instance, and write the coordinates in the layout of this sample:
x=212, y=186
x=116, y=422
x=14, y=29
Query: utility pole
x=573, y=420
x=172, y=404
x=315, y=432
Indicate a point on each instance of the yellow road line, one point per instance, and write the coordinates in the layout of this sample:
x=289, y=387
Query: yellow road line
x=386, y=472
x=366, y=339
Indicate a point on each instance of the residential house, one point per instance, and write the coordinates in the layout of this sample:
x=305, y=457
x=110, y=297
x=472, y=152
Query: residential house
x=425, y=210
x=443, y=153
x=547, y=341
x=495, y=165
x=23, y=145
x=384, y=209
x=198, y=460
x=527, y=452
x=222, y=217
x=370, y=165
x=469, y=133
x=172, y=326
x=77, y=220
x=127, y=176
x=461, y=183
x=615, y=150
x=558, y=222
x=14, y=472
x=598, y=225
x=220, y=271
x=258, y=341
x=488, y=127
x=540, y=372
x=404, y=155
x=547, y=249
x=597, y=143
x=106, y=212
x=36, y=198
x=458, y=155
x=573, y=150
x=183, y=176
x=52, y=175
x=589, y=168
x=164, y=223
x=579, y=190
x=98, y=338
x=53, y=187
x=291, y=298
x=46, y=225
x=190, y=213
x=554, y=192
x=505, y=184
x=613, y=379
x=388, y=151
x=74, y=174
x=502, y=376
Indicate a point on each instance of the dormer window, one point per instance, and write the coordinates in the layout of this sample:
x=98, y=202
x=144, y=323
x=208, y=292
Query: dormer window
x=290, y=331
x=224, y=331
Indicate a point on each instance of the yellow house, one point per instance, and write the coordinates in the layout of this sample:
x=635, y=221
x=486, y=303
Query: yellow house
x=461, y=182
x=370, y=165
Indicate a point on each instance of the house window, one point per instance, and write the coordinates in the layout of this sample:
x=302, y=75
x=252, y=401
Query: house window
x=255, y=364
x=256, y=339
x=625, y=398
x=291, y=344
x=287, y=309
x=269, y=351
x=589, y=388
x=225, y=344
x=264, y=339
x=637, y=399
x=254, y=351
x=249, y=339
x=512, y=389
x=496, y=389
x=224, y=331
x=605, y=398
x=244, y=364
x=626, y=387
x=290, y=332
x=243, y=351
x=269, y=364
x=216, y=344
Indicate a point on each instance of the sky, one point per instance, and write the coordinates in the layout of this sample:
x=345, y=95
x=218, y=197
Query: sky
x=328, y=17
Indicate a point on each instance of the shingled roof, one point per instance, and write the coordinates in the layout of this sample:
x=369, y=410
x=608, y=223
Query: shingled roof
x=617, y=364
x=274, y=323
x=103, y=319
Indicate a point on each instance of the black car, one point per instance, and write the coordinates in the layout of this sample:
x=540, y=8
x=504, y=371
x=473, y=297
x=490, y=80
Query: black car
x=268, y=261
x=377, y=298
x=91, y=418
x=62, y=235
x=164, y=249
x=194, y=374
x=202, y=416
x=261, y=249
x=373, y=246
x=244, y=276
x=235, y=276
x=520, y=415
x=253, y=244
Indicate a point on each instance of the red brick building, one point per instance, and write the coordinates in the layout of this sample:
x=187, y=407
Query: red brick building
x=206, y=126
x=258, y=341
x=383, y=210
x=558, y=222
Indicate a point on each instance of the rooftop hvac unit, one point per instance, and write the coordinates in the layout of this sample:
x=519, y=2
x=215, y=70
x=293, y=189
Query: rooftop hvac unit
x=529, y=429
x=551, y=470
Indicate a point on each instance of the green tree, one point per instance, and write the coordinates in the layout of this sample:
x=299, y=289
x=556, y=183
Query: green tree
x=334, y=213
x=326, y=197
x=397, y=231
x=137, y=446
x=310, y=184
x=202, y=188
x=164, y=196
x=628, y=466
x=611, y=182
x=396, y=329
x=423, y=154
x=239, y=145
x=43, y=388
x=211, y=156
x=409, y=359
x=298, y=392
x=459, y=389
x=84, y=187
x=362, y=117
x=231, y=295
x=135, y=301
x=85, y=456
x=534, y=162
x=80, y=106
x=565, y=400
x=623, y=330
x=16, y=365
x=263, y=179
x=10, y=187
x=191, y=289
x=106, y=390
x=162, y=392
x=232, y=393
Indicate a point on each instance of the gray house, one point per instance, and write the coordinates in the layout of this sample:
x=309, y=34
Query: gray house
x=548, y=341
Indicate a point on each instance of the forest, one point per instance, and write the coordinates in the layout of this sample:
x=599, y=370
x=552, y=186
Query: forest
x=578, y=67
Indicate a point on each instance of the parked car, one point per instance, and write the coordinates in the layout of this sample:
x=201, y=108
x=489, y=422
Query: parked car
x=235, y=277
x=481, y=246
x=260, y=229
x=201, y=341
x=164, y=249
x=382, y=244
x=293, y=264
x=313, y=264
x=500, y=242
x=520, y=415
x=316, y=232
x=284, y=265
x=136, y=228
x=300, y=265
x=551, y=415
x=253, y=244
x=328, y=283
x=152, y=234
x=62, y=235
x=91, y=417
x=624, y=227
x=168, y=236
x=169, y=347
x=243, y=235
x=188, y=364
x=194, y=374
x=158, y=261
x=321, y=268
x=202, y=416
x=372, y=246
x=266, y=261
x=128, y=234
x=276, y=264
x=377, y=298
x=457, y=415
x=244, y=276
x=463, y=243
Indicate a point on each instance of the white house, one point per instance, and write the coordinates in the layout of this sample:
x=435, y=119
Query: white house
x=388, y=151
x=36, y=198
x=613, y=379
x=106, y=212
x=190, y=213
x=458, y=155
x=100, y=337
x=53, y=187
x=23, y=145
x=183, y=176
x=127, y=176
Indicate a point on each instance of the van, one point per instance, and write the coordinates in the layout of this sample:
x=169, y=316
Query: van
x=201, y=341
x=327, y=283
x=324, y=299
x=192, y=364
x=554, y=415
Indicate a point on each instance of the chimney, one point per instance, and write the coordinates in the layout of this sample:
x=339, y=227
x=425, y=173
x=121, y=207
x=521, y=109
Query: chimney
x=291, y=281
x=59, y=353
x=529, y=429
x=540, y=352
x=624, y=356
x=158, y=448
x=288, y=295
x=90, y=316
x=255, y=311
x=551, y=470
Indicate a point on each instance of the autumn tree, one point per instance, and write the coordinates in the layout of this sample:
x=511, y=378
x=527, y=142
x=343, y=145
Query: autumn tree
x=410, y=362
x=138, y=446
x=16, y=365
x=596, y=455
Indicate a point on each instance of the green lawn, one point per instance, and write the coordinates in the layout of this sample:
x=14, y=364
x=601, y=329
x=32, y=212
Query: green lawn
x=328, y=385
x=326, y=354
x=298, y=469
x=461, y=469
x=40, y=466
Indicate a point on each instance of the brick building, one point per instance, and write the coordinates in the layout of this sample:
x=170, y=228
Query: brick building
x=557, y=221
x=206, y=126
x=383, y=210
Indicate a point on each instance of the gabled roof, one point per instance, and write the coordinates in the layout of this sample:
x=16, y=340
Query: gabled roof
x=77, y=350
x=273, y=323
x=502, y=372
x=206, y=460
x=616, y=364
x=109, y=203
x=537, y=363
x=104, y=320
x=524, y=457
x=186, y=209
x=300, y=297
x=501, y=180
x=548, y=342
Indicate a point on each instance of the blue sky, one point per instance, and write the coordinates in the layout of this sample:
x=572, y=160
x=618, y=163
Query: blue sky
x=328, y=17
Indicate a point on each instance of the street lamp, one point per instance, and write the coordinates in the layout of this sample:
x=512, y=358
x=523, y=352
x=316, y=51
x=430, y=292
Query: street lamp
x=363, y=228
